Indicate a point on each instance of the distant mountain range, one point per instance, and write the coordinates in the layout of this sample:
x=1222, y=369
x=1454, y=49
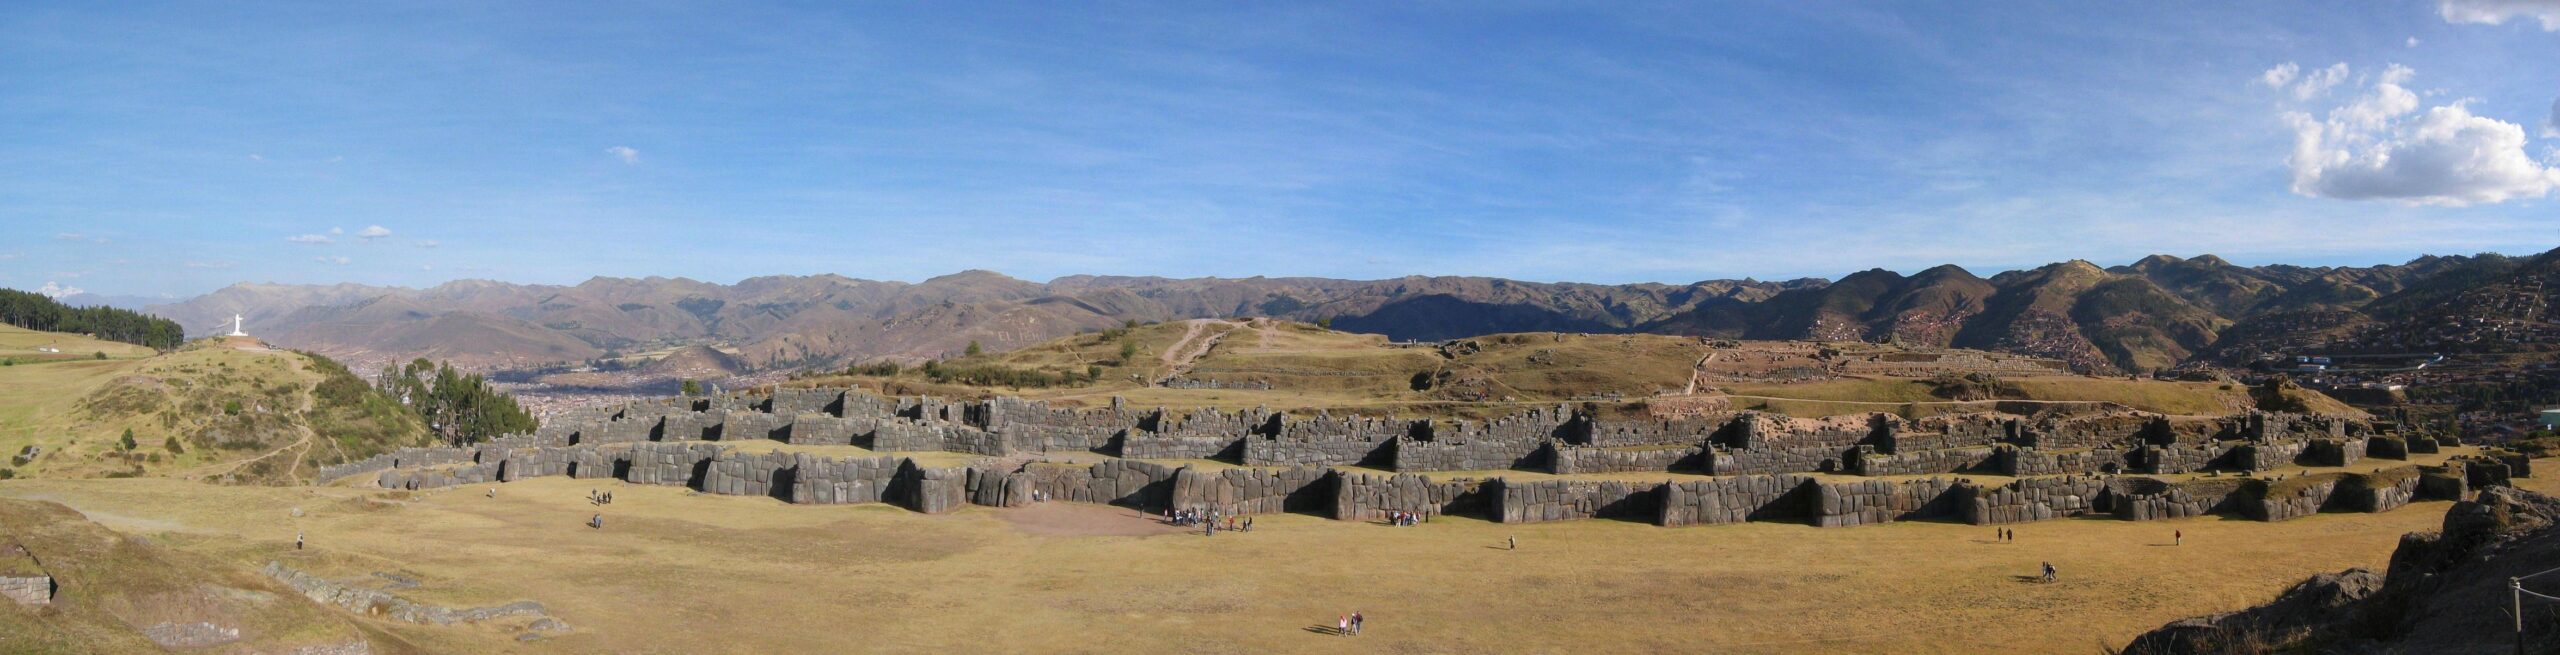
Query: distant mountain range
x=2152, y=314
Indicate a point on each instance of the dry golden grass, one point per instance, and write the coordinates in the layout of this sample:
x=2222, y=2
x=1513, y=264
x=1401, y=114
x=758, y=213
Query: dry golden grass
x=1309, y=368
x=674, y=572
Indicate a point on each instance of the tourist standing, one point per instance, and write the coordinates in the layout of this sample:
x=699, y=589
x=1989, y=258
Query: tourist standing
x=1514, y=542
x=2181, y=536
x=297, y=540
x=1342, y=625
x=1356, y=619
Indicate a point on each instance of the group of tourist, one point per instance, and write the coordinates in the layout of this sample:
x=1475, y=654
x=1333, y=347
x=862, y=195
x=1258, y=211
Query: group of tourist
x=1209, y=521
x=1348, y=625
x=1405, y=518
x=599, y=497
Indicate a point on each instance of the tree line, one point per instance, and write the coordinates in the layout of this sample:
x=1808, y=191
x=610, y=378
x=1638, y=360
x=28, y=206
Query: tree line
x=458, y=407
x=34, y=311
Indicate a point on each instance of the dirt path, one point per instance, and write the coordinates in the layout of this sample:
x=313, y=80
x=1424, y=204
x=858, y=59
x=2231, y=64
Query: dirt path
x=1179, y=357
x=301, y=445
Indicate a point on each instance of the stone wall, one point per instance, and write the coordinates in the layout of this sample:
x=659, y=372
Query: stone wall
x=1921, y=462
x=671, y=463
x=1567, y=500
x=1242, y=491
x=2015, y=461
x=2173, y=459
x=1868, y=502
x=1480, y=453
x=438, y=477
x=1372, y=449
x=2289, y=498
x=2452, y=481
x=2379, y=491
x=1765, y=461
x=2034, y=499
x=2333, y=452
x=840, y=481
x=1736, y=499
x=930, y=490
x=1369, y=497
x=732, y=473
x=1569, y=460
x=2386, y=447
x=2266, y=456
x=27, y=589
x=2149, y=499
x=1152, y=445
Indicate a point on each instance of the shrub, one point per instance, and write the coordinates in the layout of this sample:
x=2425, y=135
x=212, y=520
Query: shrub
x=231, y=408
x=173, y=446
x=127, y=442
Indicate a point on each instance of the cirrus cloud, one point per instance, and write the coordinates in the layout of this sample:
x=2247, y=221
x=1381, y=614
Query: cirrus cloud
x=627, y=154
x=2381, y=146
x=311, y=239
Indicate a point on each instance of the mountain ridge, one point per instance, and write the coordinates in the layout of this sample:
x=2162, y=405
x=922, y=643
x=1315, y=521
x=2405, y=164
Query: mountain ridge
x=2158, y=312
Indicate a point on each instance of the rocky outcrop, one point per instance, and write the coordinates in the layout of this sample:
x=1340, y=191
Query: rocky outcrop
x=2445, y=592
x=375, y=603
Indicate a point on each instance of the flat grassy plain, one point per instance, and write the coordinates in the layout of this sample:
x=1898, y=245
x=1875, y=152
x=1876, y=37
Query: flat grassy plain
x=674, y=572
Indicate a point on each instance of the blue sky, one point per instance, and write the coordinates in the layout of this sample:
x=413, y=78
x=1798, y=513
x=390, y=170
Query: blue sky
x=176, y=148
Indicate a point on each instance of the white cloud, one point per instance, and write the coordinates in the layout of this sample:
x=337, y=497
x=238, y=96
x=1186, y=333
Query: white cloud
x=372, y=232
x=2379, y=146
x=57, y=291
x=6, y=256
x=69, y=236
x=2413, y=42
x=311, y=239
x=2282, y=74
x=2318, y=82
x=426, y=267
x=624, y=153
x=214, y=264
x=325, y=259
x=2303, y=86
x=429, y=243
x=337, y=231
x=2498, y=12
x=258, y=158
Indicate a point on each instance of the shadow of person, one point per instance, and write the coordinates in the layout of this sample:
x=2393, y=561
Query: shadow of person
x=1325, y=630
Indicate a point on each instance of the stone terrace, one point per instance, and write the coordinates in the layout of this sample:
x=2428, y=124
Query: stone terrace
x=1767, y=466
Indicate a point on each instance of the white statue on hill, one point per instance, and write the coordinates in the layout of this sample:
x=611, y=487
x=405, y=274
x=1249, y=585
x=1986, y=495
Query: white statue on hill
x=235, y=326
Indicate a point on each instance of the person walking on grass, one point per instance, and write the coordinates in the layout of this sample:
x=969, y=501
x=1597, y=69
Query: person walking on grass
x=297, y=540
x=2181, y=536
x=1356, y=619
x=1342, y=626
x=2048, y=571
x=1512, y=541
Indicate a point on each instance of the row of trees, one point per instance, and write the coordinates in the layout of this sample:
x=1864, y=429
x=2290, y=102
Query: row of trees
x=36, y=312
x=459, y=408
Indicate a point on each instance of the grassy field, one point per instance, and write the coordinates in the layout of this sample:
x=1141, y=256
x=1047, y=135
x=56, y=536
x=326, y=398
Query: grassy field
x=675, y=572
x=22, y=346
x=1306, y=368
